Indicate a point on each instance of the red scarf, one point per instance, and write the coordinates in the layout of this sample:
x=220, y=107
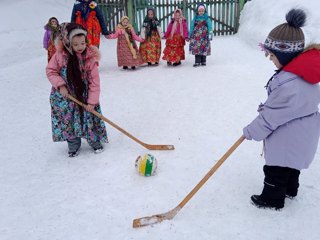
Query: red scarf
x=306, y=66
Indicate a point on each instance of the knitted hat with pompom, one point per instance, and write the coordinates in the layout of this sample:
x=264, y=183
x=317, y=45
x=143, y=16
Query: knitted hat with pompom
x=286, y=41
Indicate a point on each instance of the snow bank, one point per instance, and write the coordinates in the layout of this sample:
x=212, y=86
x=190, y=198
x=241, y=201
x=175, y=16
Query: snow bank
x=259, y=17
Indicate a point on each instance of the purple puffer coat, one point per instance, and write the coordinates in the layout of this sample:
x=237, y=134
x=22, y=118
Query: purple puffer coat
x=46, y=37
x=289, y=120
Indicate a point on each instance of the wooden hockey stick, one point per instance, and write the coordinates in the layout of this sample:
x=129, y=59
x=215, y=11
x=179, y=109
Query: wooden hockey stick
x=148, y=146
x=145, y=221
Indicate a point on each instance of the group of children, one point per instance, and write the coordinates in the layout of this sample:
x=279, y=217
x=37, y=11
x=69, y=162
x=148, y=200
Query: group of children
x=130, y=55
x=176, y=36
x=73, y=59
x=288, y=122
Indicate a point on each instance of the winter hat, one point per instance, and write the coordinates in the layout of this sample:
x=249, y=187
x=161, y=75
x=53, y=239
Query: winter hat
x=68, y=31
x=286, y=41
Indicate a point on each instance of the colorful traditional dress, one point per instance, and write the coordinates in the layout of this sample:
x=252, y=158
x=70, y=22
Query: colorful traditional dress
x=127, y=51
x=89, y=15
x=150, y=49
x=176, y=34
x=69, y=120
x=200, y=30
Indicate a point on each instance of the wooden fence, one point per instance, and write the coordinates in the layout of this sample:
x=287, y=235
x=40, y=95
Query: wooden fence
x=223, y=13
x=113, y=10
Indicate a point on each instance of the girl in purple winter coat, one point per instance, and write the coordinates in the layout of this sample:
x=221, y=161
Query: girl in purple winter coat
x=289, y=120
x=51, y=32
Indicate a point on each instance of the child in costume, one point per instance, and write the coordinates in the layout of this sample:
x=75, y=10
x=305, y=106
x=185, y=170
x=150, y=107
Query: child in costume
x=289, y=120
x=73, y=70
x=50, y=34
x=200, y=35
x=175, y=37
x=88, y=14
x=150, y=49
x=127, y=50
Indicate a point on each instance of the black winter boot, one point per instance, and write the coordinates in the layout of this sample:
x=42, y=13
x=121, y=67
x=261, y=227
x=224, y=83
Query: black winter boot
x=96, y=146
x=293, y=183
x=197, y=61
x=74, y=153
x=274, y=190
x=260, y=202
x=203, y=60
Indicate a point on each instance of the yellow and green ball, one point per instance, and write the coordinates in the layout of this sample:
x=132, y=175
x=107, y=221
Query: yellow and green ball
x=146, y=165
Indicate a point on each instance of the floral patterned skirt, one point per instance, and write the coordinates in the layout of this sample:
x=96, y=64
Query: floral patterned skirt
x=150, y=49
x=174, y=50
x=93, y=27
x=68, y=121
x=124, y=55
x=199, y=40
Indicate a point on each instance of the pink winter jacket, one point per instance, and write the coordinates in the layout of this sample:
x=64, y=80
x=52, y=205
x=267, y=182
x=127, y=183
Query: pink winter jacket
x=120, y=32
x=59, y=60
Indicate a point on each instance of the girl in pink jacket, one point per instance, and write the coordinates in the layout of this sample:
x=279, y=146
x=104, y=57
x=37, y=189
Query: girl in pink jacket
x=127, y=50
x=73, y=70
x=176, y=35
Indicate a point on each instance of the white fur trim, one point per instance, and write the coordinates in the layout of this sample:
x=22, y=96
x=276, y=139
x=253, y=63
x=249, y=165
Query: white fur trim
x=76, y=32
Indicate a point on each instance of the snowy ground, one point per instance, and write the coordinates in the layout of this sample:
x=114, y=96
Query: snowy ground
x=45, y=195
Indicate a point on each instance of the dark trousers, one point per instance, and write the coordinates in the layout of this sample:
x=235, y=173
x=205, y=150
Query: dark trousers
x=279, y=182
x=200, y=59
x=75, y=143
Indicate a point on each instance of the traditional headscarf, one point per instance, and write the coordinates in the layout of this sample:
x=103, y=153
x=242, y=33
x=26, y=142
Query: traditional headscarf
x=151, y=24
x=67, y=31
x=205, y=15
x=76, y=81
x=128, y=35
x=175, y=23
x=54, y=30
x=124, y=27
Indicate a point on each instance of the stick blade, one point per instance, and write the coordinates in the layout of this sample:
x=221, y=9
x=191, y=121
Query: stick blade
x=159, y=147
x=147, y=221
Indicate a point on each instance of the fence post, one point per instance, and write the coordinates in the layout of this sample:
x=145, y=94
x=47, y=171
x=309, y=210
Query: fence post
x=103, y=7
x=239, y=6
x=130, y=10
x=185, y=10
x=241, y=3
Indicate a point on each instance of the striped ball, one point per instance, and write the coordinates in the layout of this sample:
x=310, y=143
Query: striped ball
x=146, y=165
